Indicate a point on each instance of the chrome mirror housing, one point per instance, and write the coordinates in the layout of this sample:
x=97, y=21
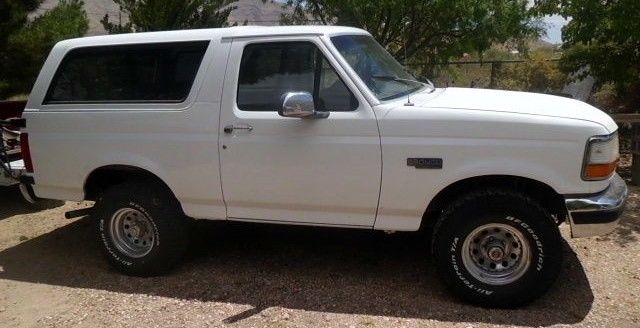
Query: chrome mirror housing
x=300, y=105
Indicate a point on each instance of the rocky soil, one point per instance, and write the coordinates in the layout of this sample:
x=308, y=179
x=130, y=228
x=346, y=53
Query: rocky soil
x=245, y=275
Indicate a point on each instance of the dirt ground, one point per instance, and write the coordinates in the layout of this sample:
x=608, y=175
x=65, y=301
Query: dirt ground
x=246, y=275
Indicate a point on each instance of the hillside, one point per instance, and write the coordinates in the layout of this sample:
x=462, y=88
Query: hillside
x=253, y=11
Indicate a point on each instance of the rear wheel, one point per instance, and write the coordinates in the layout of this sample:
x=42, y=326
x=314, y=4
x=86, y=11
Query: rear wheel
x=497, y=248
x=141, y=228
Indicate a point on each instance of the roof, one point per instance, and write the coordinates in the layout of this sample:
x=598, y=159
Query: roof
x=214, y=33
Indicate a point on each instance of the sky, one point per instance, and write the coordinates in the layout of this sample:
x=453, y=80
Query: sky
x=554, y=24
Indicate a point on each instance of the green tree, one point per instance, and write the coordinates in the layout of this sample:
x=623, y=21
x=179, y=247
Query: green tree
x=27, y=48
x=603, y=36
x=13, y=15
x=536, y=74
x=159, y=15
x=424, y=31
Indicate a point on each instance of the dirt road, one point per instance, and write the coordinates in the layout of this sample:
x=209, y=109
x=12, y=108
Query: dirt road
x=245, y=275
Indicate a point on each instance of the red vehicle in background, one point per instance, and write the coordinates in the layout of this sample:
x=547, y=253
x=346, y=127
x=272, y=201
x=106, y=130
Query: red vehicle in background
x=11, y=164
x=9, y=109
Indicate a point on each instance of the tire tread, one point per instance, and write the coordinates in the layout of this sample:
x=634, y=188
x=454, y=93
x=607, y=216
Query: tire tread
x=171, y=223
x=491, y=195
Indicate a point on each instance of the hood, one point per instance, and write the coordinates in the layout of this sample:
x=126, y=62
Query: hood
x=513, y=102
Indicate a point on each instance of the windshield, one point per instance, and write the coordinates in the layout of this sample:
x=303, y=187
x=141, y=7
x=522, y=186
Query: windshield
x=384, y=76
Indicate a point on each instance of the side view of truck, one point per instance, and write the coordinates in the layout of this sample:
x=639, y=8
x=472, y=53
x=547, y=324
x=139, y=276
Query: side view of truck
x=315, y=125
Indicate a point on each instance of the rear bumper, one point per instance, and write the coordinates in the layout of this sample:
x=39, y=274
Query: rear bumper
x=12, y=175
x=597, y=214
x=16, y=175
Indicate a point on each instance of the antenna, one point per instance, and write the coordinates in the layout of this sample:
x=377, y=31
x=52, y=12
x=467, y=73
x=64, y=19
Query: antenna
x=404, y=47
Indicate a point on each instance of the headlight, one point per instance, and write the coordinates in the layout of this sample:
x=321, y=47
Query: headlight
x=601, y=157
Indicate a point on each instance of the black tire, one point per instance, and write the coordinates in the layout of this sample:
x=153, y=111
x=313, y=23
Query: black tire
x=513, y=212
x=167, y=227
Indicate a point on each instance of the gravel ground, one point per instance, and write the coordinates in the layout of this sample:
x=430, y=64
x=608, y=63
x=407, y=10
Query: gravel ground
x=246, y=275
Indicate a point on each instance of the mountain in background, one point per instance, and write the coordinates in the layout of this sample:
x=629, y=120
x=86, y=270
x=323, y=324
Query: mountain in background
x=257, y=13
x=254, y=12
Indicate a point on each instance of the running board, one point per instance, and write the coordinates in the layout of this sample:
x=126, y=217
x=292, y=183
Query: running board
x=78, y=213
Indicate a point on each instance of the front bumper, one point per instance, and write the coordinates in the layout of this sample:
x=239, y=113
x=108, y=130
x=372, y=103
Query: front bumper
x=597, y=214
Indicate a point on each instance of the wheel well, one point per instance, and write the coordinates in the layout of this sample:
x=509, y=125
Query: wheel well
x=104, y=177
x=542, y=193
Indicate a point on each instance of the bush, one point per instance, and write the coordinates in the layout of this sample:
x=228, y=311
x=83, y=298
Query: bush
x=27, y=49
x=606, y=97
x=536, y=74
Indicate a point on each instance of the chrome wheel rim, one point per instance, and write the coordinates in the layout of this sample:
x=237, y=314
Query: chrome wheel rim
x=496, y=254
x=132, y=232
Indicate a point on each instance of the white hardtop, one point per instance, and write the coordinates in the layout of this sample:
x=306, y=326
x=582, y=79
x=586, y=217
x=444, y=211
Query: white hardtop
x=209, y=34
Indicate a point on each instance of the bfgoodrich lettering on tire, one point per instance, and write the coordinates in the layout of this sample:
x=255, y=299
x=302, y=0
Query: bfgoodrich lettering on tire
x=497, y=248
x=141, y=228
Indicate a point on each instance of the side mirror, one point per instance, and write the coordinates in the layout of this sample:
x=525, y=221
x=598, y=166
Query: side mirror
x=300, y=105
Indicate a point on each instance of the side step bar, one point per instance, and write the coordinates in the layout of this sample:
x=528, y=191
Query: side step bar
x=78, y=213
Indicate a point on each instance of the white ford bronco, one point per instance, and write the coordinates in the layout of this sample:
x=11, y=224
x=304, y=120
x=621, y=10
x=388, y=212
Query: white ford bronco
x=315, y=125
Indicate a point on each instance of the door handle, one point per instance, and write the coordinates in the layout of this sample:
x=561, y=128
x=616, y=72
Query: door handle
x=231, y=127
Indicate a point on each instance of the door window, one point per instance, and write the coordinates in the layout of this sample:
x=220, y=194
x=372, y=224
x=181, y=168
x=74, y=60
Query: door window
x=269, y=70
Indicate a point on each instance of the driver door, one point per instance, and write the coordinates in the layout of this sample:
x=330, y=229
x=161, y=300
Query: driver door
x=291, y=170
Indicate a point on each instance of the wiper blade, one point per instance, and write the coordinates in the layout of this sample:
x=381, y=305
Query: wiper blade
x=393, y=78
x=397, y=79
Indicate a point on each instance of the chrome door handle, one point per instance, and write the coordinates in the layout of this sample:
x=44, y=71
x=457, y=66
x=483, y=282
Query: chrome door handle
x=230, y=128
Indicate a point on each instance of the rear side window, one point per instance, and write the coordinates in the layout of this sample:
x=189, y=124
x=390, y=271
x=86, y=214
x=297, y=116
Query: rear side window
x=269, y=70
x=158, y=72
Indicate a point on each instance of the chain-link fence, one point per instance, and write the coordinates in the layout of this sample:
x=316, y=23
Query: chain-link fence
x=519, y=74
x=629, y=132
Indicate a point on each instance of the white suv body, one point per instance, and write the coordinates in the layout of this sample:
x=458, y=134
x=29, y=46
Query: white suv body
x=380, y=161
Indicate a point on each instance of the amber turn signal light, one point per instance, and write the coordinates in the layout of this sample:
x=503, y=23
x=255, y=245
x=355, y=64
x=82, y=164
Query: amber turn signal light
x=600, y=171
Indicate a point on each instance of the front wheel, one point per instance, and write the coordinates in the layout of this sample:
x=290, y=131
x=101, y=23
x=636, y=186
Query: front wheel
x=497, y=248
